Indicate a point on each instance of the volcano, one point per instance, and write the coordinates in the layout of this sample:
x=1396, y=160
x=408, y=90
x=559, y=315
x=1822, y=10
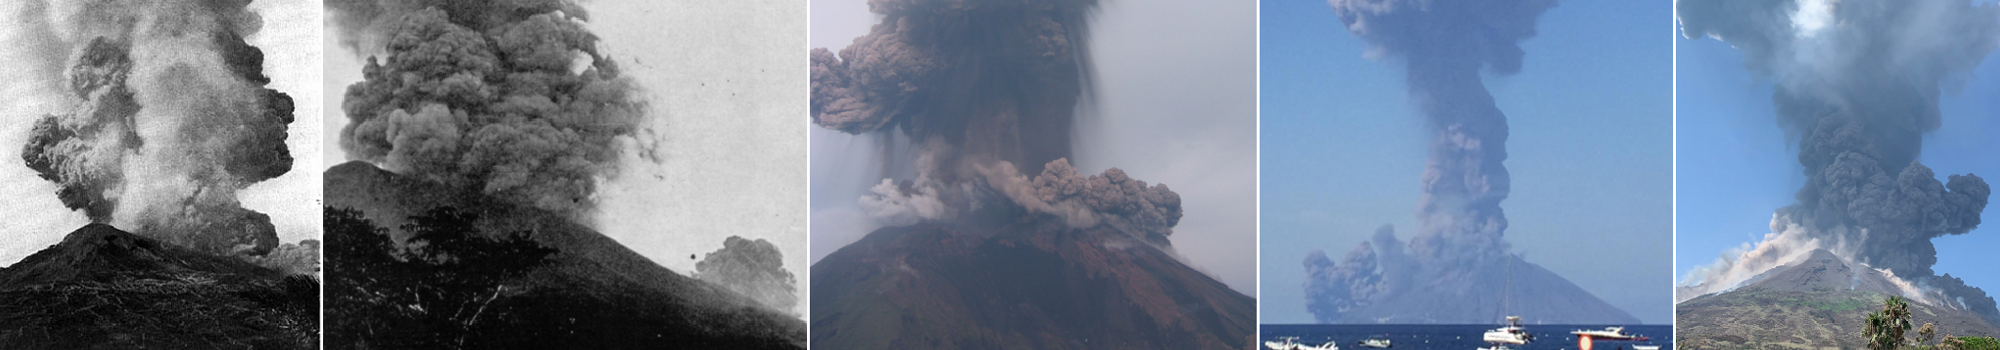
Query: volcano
x=590, y=292
x=1473, y=295
x=932, y=286
x=1818, y=301
x=104, y=288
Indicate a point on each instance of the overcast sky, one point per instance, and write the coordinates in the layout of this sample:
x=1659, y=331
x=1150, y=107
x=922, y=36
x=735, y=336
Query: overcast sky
x=1590, y=151
x=1177, y=105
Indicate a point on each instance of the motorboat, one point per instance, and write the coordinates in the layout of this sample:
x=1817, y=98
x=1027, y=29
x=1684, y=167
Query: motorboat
x=1284, y=343
x=1608, y=333
x=1511, y=334
x=1377, y=343
x=1326, y=346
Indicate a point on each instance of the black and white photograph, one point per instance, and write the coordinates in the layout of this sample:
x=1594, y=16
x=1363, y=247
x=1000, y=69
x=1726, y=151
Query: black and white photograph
x=164, y=193
x=565, y=175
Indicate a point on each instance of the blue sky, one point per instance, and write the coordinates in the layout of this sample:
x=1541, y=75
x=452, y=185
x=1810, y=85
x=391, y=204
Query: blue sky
x=1590, y=151
x=1736, y=165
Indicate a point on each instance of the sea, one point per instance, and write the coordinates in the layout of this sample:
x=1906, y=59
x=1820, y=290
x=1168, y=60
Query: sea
x=1456, y=337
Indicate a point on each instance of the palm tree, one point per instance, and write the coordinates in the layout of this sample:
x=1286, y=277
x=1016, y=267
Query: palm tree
x=1885, y=327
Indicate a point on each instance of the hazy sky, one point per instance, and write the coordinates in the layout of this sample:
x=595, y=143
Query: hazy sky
x=1737, y=167
x=726, y=83
x=36, y=220
x=1177, y=105
x=1590, y=150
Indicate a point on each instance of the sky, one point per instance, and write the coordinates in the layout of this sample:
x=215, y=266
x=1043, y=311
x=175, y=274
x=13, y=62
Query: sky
x=1736, y=166
x=1590, y=151
x=1176, y=84
x=37, y=220
x=726, y=83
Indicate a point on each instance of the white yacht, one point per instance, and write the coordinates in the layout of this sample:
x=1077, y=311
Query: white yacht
x=1375, y=343
x=1327, y=346
x=1285, y=343
x=1512, y=334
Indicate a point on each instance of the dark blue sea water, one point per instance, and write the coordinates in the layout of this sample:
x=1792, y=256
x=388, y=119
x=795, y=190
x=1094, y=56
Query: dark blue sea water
x=1455, y=337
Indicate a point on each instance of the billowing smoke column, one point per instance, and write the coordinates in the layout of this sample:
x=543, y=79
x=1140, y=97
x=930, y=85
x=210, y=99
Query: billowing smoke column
x=509, y=98
x=1445, y=44
x=987, y=92
x=1857, y=84
x=168, y=118
x=751, y=268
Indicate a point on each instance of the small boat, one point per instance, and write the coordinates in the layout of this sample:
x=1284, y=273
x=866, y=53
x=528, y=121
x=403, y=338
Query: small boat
x=1285, y=343
x=1377, y=343
x=1645, y=347
x=1608, y=333
x=1326, y=346
x=1497, y=347
x=1512, y=334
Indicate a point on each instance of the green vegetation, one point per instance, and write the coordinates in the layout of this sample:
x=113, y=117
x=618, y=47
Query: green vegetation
x=1886, y=329
x=1973, y=343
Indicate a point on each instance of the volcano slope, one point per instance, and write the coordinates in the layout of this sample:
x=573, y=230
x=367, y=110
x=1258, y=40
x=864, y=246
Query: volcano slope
x=1472, y=295
x=1028, y=286
x=588, y=292
x=102, y=288
x=1820, y=301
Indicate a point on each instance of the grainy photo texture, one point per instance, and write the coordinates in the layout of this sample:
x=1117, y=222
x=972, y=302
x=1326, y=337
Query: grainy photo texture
x=565, y=174
x=160, y=136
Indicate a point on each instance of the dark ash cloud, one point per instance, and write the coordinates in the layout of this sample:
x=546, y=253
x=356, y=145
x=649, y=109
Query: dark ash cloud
x=1444, y=46
x=509, y=98
x=985, y=94
x=1857, y=86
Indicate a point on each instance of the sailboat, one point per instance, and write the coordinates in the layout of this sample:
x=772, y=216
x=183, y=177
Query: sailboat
x=1511, y=333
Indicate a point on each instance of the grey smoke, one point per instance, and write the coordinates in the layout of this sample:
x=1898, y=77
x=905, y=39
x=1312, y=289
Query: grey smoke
x=752, y=268
x=509, y=98
x=168, y=117
x=986, y=93
x=1444, y=45
x=1857, y=85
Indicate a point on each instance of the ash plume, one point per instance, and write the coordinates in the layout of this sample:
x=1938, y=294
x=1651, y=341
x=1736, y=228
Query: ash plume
x=986, y=93
x=751, y=268
x=1444, y=46
x=1857, y=85
x=165, y=117
x=509, y=98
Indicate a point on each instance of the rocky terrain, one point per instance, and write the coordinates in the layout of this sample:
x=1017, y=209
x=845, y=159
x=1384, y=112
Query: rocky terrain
x=1025, y=286
x=103, y=288
x=1817, y=302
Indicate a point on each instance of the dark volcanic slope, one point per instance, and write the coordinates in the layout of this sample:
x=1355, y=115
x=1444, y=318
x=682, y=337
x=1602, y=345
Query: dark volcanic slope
x=595, y=292
x=925, y=287
x=1474, y=297
x=105, y=288
x=1817, y=302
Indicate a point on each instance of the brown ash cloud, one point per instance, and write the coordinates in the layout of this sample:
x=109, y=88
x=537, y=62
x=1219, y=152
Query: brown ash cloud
x=985, y=94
